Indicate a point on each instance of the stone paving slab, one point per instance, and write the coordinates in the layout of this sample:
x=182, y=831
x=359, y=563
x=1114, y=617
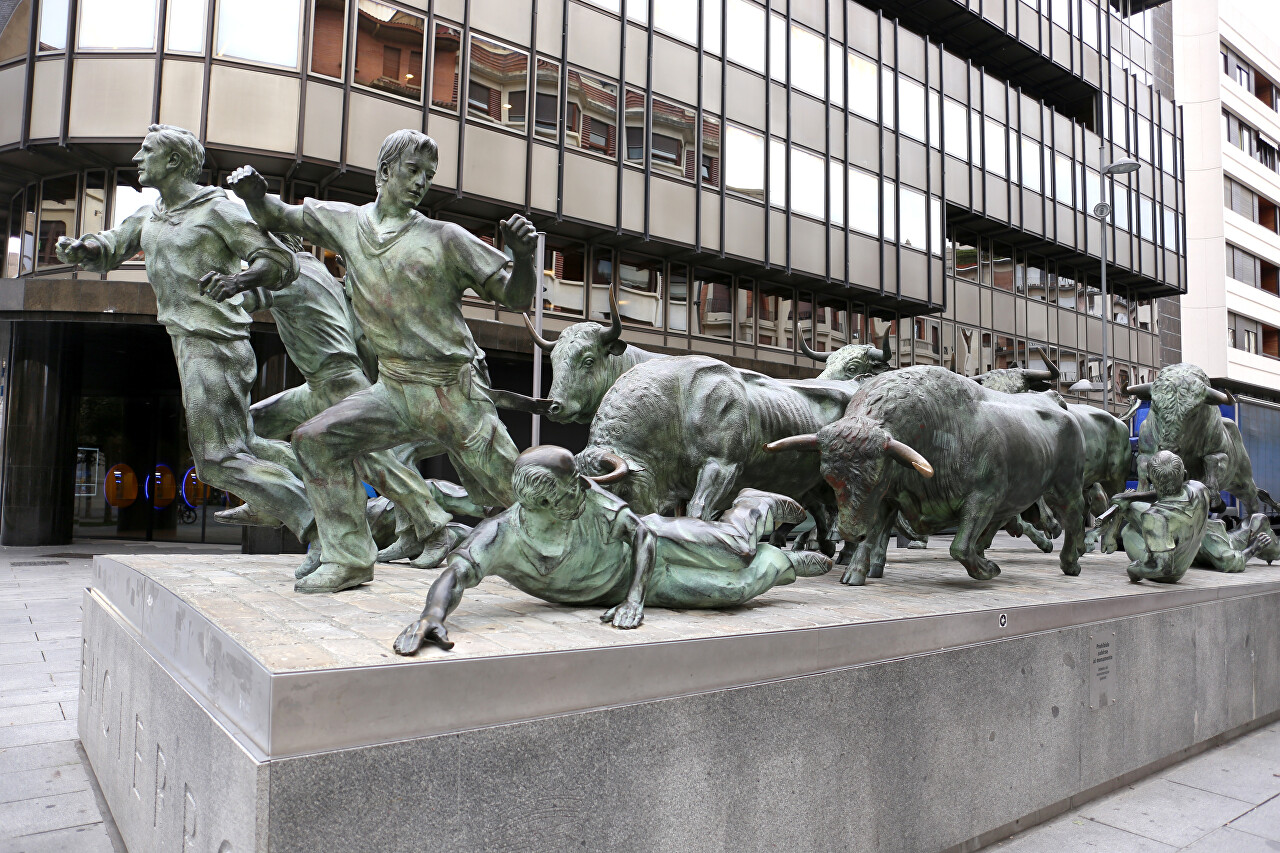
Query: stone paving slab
x=91, y=838
x=252, y=600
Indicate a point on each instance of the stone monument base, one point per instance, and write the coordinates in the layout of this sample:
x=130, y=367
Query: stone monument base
x=224, y=713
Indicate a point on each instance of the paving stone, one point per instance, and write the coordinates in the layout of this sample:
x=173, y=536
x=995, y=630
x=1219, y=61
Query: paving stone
x=54, y=754
x=43, y=782
x=45, y=712
x=43, y=814
x=1166, y=811
x=1228, y=840
x=92, y=838
x=13, y=697
x=1263, y=821
x=1232, y=771
x=1073, y=834
x=30, y=733
x=20, y=653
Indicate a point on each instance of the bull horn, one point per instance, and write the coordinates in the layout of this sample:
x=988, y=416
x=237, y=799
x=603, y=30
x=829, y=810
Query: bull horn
x=1139, y=392
x=809, y=351
x=615, y=327
x=1219, y=398
x=1050, y=374
x=908, y=456
x=809, y=441
x=543, y=344
x=886, y=350
x=619, y=471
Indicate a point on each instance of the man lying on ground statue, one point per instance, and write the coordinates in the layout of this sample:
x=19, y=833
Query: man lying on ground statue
x=1167, y=530
x=407, y=275
x=196, y=238
x=568, y=541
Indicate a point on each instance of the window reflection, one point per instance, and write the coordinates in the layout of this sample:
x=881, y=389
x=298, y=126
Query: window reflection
x=864, y=213
x=678, y=18
x=994, y=149
x=912, y=215
x=547, y=100
x=640, y=290
x=328, y=37
x=774, y=317
x=744, y=23
x=862, y=86
x=710, y=161
x=964, y=260
x=93, y=203
x=14, y=31
x=446, y=66
x=678, y=299
x=53, y=25
x=497, y=83
x=1032, y=164
x=389, y=45
x=835, y=186
x=116, y=25
x=807, y=184
x=956, y=128
x=712, y=304
x=601, y=282
x=57, y=217
x=910, y=107
x=831, y=325
x=745, y=312
x=808, y=61
x=565, y=276
x=241, y=24
x=744, y=162
x=1002, y=277
x=592, y=113
x=1062, y=183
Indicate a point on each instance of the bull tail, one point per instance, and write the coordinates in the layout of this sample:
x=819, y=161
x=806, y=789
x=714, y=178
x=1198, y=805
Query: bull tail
x=1267, y=499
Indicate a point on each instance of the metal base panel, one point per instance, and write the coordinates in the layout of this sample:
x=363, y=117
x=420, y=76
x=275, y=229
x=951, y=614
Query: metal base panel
x=222, y=712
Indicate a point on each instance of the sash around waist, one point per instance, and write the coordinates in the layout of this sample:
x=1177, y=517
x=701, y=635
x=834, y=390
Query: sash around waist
x=439, y=373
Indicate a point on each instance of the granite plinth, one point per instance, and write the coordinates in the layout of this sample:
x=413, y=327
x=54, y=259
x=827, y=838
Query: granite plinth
x=224, y=712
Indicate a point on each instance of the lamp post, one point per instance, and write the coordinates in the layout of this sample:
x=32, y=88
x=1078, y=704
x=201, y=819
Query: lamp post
x=1102, y=210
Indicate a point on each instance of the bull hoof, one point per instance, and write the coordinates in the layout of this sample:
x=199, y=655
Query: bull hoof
x=876, y=572
x=852, y=578
x=983, y=572
x=1071, y=570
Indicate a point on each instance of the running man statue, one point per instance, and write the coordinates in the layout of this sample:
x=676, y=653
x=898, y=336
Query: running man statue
x=195, y=237
x=568, y=541
x=407, y=274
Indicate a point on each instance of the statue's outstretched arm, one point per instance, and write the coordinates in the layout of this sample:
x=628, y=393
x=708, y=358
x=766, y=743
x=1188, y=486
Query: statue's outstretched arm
x=459, y=575
x=644, y=551
x=267, y=210
x=514, y=288
x=103, y=251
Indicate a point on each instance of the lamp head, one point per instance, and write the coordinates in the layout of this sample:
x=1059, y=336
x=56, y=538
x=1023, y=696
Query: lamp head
x=1123, y=166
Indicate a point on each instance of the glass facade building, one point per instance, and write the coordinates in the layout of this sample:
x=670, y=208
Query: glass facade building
x=745, y=174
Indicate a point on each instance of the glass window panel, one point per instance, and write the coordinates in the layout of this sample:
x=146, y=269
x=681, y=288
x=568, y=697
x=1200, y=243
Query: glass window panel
x=546, y=109
x=835, y=186
x=778, y=48
x=862, y=86
x=745, y=312
x=116, y=25
x=975, y=137
x=601, y=282
x=1144, y=139
x=965, y=261
x=328, y=38
x=53, y=25
x=14, y=31
x=1002, y=268
x=831, y=327
x=57, y=217
x=865, y=215
x=1092, y=190
x=745, y=32
x=808, y=62
x=1063, y=170
x=711, y=22
x=27, y=247
x=935, y=226
x=1120, y=207
x=501, y=71
x=956, y=128
x=887, y=89
x=1169, y=238
x=994, y=148
x=912, y=208
x=93, y=203
x=887, y=210
x=935, y=129
x=673, y=137
x=389, y=44
x=678, y=299
x=565, y=276
x=678, y=18
x=1146, y=218
x=593, y=113
x=128, y=198
x=835, y=70
x=640, y=283
x=1089, y=24
x=774, y=322
x=712, y=304
x=242, y=23
x=446, y=64
x=777, y=173
x=911, y=108
x=1166, y=153
x=710, y=151
x=807, y=186
x=744, y=162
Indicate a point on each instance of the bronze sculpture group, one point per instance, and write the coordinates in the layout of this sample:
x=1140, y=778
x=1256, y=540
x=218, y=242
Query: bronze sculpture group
x=690, y=462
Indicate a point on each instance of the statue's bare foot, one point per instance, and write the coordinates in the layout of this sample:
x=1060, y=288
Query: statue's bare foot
x=628, y=614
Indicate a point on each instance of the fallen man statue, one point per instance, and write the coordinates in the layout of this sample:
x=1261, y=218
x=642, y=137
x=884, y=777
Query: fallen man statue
x=1167, y=529
x=568, y=541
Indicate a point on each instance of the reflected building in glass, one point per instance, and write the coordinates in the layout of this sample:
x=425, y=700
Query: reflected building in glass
x=745, y=175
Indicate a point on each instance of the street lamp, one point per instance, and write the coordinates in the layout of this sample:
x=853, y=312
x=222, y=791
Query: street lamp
x=1102, y=210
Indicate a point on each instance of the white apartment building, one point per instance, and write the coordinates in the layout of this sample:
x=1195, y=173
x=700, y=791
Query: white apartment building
x=1227, y=77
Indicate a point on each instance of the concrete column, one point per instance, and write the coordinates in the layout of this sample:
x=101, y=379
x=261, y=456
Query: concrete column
x=39, y=452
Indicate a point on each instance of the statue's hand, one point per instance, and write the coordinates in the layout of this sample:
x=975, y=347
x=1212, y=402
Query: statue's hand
x=220, y=287
x=248, y=184
x=423, y=630
x=629, y=614
x=520, y=235
x=71, y=251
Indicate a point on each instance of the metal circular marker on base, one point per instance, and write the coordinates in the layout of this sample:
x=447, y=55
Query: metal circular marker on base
x=1004, y=620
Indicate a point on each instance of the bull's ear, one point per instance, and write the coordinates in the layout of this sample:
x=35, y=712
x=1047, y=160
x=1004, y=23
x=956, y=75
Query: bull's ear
x=616, y=348
x=906, y=455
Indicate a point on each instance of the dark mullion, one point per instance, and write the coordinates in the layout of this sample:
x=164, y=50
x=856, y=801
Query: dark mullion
x=897, y=163
x=724, y=127
x=564, y=114
x=697, y=143
x=968, y=133
x=428, y=62
x=208, y=74
x=786, y=194
x=826, y=138
x=73, y=9
x=304, y=68
x=880, y=134
x=768, y=133
x=348, y=73
x=530, y=118
x=648, y=122
x=163, y=7
x=942, y=182
x=844, y=167
x=33, y=45
x=1180, y=123
x=620, y=134
x=928, y=173
x=464, y=83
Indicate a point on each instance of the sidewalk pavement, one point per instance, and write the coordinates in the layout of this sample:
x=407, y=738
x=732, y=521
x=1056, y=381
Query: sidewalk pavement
x=49, y=803
x=1225, y=800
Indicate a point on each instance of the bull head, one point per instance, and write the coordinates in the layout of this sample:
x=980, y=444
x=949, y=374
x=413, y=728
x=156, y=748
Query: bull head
x=611, y=338
x=902, y=453
x=1211, y=395
x=880, y=356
